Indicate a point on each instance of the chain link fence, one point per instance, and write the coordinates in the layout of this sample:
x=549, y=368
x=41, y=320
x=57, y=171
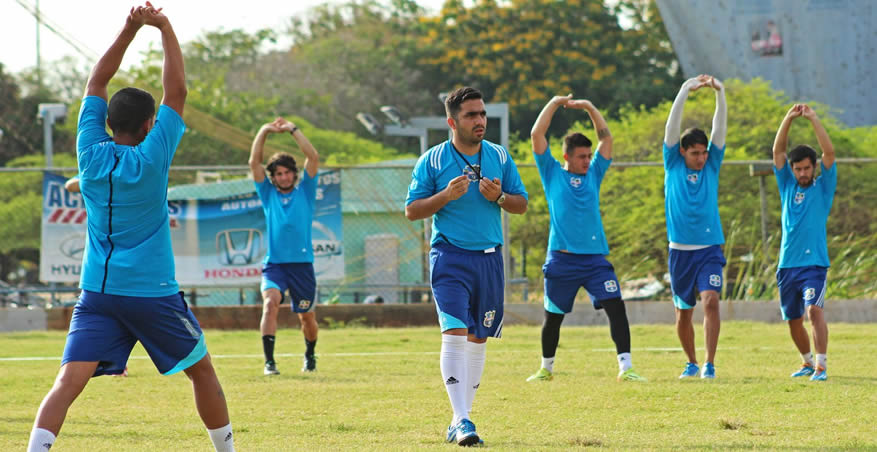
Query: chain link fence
x=385, y=255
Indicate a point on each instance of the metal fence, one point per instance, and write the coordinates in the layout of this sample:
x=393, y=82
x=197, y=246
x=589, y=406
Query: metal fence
x=385, y=255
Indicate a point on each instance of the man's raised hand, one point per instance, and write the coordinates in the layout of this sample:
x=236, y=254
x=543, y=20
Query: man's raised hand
x=491, y=190
x=457, y=187
x=154, y=16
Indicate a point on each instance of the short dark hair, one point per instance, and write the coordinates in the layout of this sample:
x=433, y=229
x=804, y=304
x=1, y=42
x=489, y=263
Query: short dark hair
x=129, y=108
x=457, y=97
x=281, y=159
x=575, y=140
x=693, y=136
x=802, y=152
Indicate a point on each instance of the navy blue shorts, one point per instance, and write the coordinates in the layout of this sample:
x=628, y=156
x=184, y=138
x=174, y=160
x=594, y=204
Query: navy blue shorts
x=566, y=272
x=104, y=328
x=468, y=289
x=800, y=287
x=692, y=272
x=298, y=277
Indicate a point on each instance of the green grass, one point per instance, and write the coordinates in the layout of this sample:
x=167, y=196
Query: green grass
x=381, y=389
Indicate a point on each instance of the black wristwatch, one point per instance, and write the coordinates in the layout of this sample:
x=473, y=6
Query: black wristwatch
x=501, y=198
x=292, y=132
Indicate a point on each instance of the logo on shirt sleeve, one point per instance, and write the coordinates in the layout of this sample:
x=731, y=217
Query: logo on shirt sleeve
x=413, y=185
x=799, y=197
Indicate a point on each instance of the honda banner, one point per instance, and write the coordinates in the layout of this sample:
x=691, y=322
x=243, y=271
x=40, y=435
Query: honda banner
x=217, y=242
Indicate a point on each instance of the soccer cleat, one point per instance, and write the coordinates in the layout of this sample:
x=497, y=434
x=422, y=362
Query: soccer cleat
x=310, y=363
x=690, y=371
x=271, y=368
x=465, y=434
x=452, y=434
x=709, y=371
x=542, y=375
x=819, y=375
x=806, y=370
x=630, y=375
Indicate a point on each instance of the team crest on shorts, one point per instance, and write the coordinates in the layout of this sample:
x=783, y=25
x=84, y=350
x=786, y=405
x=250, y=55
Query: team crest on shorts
x=799, y=197
x=610, y=286
x=576, y=182
x=692, y=178
x=809, y=293
x=715, y=280
x=304, y=304
x=488, y=318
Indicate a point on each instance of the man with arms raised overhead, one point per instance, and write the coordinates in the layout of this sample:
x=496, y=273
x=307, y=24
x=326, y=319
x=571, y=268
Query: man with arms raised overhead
x=464, y=184
x=129, y=291
x=577, y=245
x=801, y=273
x=289, y=264
x=691, y=190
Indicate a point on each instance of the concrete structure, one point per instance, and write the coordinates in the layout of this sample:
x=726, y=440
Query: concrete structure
x=423, y=314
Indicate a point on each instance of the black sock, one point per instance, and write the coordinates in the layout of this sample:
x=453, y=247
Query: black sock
x=551, y=334
x=268, y=348
x=309, y=347
x=619, y=328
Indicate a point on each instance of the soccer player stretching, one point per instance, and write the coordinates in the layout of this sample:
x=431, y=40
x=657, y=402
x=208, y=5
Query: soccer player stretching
x=129, y=291
x=289, y=264
x=463, y=184
x=577, y=246
x=801, y=273
x=691, y=190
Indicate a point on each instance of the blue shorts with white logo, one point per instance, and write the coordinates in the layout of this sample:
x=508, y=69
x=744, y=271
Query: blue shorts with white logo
x=104, y=328
x=692, y=272
x=298, y=277
x=800, y=287
x=468, y=289
x=566, y=272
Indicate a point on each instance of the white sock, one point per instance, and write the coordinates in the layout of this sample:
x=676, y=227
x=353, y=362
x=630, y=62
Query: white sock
x=821, y=361
x=41, y=440
x=548, y=364
x=624, y=361
x=475, y=357
x=453, y=366
x=223, y=440
x=808, y=358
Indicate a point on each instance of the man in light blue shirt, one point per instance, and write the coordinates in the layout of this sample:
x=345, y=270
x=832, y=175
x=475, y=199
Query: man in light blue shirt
x=289, y=214
x=801, y=273
x=691, y=190
x=577, y=245
x=464, y=184
x=129, y=291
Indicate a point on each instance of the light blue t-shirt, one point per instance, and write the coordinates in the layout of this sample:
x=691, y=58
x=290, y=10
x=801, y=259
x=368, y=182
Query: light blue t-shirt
x=288, y=218
x=691, y=198
x=805, y=212
x=574, y=205
x=470, y=222
x=128, y=244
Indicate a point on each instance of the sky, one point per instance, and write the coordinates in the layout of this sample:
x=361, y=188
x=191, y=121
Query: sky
x=94, y=24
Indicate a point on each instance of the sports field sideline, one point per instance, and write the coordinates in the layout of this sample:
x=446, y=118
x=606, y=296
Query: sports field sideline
x=379, y=389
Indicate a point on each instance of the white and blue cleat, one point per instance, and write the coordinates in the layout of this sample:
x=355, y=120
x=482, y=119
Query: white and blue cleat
x=709, y=371
x=806, y=370
x=819, y=375
x=464, y=434
x=690, y=371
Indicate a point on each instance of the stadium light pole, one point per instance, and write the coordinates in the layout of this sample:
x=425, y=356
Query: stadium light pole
x=50, y=113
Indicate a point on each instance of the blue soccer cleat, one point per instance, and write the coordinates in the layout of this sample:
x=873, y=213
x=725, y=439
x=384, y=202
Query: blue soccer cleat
x=690, y=371
x=452, y=434
x=465, y=434
x=709, y=371
x=819, y=375
x=806, y=370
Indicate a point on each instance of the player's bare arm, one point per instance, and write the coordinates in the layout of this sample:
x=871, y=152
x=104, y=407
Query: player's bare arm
x=312, y=158
x=601, y=128
x=258, y=147
x=821, y=135
x=173, y=74
x=781, y=142
x=427, y=207
x=109, y=63
x=540, y=128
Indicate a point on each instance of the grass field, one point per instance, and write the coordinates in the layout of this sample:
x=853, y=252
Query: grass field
x=380, y=389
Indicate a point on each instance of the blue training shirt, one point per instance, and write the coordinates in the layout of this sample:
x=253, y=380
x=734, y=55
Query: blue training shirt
x=470, y=222
x=288, y=218
x=805, y=212
x=574, y=205
x=691, y=198
x=128, y=243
